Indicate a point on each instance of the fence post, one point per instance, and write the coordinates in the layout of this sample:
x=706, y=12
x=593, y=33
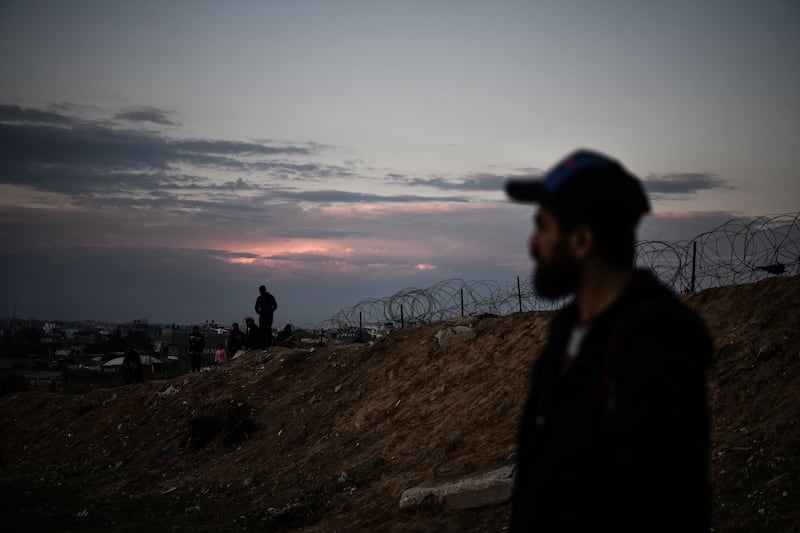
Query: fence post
x=462, y=302
x=519, y=295
x=694, y=261
x=360, y=328
x=402, y=319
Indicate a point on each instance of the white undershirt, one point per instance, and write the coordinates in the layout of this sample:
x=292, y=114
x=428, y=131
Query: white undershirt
x=576, y=339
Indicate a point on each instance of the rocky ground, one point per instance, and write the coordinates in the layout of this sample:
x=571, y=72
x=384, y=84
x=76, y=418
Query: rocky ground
x=295, y=440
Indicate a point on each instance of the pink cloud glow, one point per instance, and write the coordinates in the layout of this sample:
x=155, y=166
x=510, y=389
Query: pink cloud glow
x=378, y=210
x=690, y=214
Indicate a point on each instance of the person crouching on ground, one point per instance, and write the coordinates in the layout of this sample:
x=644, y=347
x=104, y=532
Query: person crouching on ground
x=252, y=335
x=235, y=340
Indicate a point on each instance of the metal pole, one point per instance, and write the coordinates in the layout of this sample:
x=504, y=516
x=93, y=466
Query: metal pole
x=694, y=261
x=519, y=295
x=360, y=328
x=402, y=319
x=462, y=302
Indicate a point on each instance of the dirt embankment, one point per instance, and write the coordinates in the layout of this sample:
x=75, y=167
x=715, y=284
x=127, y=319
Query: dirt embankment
x=328, y=440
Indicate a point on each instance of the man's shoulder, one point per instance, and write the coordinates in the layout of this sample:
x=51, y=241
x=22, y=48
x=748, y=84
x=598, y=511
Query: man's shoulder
x=654, y=299
x=659, y=315
x=671, y=317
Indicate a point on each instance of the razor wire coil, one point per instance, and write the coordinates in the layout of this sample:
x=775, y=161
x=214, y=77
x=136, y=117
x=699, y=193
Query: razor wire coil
x=742, y=250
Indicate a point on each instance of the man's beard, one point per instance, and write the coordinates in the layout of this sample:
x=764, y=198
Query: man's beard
x=558, y=277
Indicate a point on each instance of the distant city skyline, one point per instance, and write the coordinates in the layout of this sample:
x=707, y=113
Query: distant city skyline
x=163, y=160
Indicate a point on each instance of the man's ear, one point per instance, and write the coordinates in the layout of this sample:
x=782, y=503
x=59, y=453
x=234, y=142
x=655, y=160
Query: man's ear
x=581, y=240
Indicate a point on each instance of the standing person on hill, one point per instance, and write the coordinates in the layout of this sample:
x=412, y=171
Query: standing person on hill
x=197, y=343
x=235, y=340
x=265, y=307
x=614, y=435
x=132, y=367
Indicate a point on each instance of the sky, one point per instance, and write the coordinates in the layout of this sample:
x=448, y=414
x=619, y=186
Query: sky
x=161, y=160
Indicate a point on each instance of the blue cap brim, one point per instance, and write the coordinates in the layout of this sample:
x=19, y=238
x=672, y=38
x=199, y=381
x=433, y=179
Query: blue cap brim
x=529, y=191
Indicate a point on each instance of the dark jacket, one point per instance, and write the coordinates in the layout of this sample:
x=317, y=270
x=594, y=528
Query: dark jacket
x=266, y=304
x=235, y=341
x=197, y=342
x=132, y=367
x=620, y=440
x=252, y=335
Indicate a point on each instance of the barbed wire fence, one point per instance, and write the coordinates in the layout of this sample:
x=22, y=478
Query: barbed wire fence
x=742, y=250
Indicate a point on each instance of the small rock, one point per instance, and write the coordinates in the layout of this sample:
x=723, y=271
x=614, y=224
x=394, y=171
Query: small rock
x=454, y=335
x=170, y=391
x=489, y=489
x=465, y=321
x=767, y=351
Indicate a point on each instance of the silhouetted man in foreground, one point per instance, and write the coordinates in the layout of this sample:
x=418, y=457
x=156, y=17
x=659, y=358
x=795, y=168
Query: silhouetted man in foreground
x=614, y=434
x=265, y=307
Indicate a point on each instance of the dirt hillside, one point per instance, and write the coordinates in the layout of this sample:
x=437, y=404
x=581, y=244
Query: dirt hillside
x=327, y=440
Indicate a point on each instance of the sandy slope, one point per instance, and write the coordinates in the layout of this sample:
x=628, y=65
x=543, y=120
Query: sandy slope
x=328, y=440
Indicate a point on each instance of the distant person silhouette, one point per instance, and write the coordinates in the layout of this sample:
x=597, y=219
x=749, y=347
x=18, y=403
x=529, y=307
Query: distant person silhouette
x=265, y=307
x=197, y=343
x=235, y=340
x=614, y=435
x=132, y=367
x=286, y=337
x=252, y=335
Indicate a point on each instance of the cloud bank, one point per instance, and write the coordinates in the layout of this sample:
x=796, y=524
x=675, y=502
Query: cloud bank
x=110, y=214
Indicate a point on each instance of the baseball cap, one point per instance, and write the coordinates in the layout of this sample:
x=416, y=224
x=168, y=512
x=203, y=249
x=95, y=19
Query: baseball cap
x=586, y=182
